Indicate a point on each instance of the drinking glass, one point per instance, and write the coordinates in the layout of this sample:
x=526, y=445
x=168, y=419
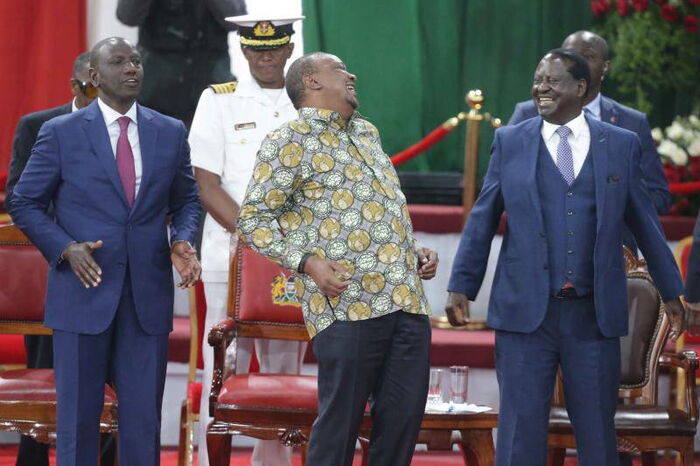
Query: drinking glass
x=435, y=387
x=459, y=378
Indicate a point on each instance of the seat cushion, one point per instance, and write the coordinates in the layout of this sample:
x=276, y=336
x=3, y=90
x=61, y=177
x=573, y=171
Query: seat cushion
x=635, y=420
x=179, y=340
x=294, y=392
x=35, y=385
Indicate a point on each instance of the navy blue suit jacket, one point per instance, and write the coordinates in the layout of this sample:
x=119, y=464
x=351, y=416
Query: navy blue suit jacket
x=628, y=118
x=521, y=285
x=73, y=165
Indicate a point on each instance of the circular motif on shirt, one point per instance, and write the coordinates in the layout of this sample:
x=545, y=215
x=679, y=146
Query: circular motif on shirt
x=414, y=305
x=351, y=293
x=353, y=172
x=283, y=178
x=366, y=262
x=322, y=162
x=299, y=287
x=350, y=218
x=317, y=303
x=380, y=232
x=358, y=240
x=363, y=191
x=285, y=133
x=289, y=221
x=401, y=296
x=341, y=156
x=311, y=234
x=325, y=113
x=393, y=208
x=404, y=210
x=389, y=191
x=391, y=174
x=297, y=238
x=262, y=172
x=318, y=251
x=317, y=125
x=397, y=226
x=334, y=180
x=342, y=199
x=380, y=303
x=311, y=144
x=309, y=283
x=388, y=253
x=336, y=249
x=307, y=215
x=248, y=225
x=277, y=249
x=329, y=139
x=359, y=311
x=312, y=190
x=255, y=194
x=334, y=301
x=395, y=273
x=268, y=150
x=306, y=170
x=298, y=197
x=275, y=199
x=311, y=330
x=373, y=211
x=291, y=154
x=348, y=265
x=329, y=228
x=321, y=208
x=367, y=157
x=262, y=237
x=373, y=282
x=354, y=153
x=411, y=260
x=323, y=322
x=344, y=137
x=300, y=127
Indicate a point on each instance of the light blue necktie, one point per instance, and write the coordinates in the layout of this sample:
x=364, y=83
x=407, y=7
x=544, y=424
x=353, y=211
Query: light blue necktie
x=565, y=157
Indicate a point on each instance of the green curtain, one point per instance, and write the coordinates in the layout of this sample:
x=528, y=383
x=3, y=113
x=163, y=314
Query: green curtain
x=416, y=59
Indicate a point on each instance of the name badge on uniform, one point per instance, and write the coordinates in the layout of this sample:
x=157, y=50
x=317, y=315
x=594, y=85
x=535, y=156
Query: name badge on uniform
x=242, y=126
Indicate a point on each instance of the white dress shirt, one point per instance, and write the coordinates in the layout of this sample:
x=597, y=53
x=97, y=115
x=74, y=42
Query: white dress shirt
x=594, y=107
x=110, y=115
x=579, y=140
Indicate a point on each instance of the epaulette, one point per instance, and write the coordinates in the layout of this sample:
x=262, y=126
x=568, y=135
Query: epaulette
x=224, y=88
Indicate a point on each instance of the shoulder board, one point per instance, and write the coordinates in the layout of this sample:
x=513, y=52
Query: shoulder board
x=224, y=88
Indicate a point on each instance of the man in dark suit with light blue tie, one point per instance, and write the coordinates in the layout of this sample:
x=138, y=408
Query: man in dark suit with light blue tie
x=114, y=171
x=595, y=49
x=568, y=184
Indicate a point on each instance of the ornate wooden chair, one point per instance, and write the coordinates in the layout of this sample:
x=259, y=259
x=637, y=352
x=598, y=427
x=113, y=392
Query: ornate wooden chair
x=28, y=396
x=189, y=411
x=642, y=425
x=262, y=303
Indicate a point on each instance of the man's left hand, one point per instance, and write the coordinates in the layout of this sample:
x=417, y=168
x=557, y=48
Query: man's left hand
x=184, y=259
x=676, y=315
x=427, y=263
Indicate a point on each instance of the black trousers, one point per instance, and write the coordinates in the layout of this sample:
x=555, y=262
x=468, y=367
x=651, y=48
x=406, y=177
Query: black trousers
x=39, y=349
x=387, y=358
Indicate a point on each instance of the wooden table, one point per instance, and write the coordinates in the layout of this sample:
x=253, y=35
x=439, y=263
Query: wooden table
x=471, y=431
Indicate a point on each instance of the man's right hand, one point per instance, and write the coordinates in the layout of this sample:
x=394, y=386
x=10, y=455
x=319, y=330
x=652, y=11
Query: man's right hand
x=457, y=309
x=79, y=255
x=324, y=272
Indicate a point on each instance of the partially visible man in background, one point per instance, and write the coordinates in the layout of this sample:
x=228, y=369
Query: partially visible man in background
x=229, y=125
x=39, y=347
x=184, y=44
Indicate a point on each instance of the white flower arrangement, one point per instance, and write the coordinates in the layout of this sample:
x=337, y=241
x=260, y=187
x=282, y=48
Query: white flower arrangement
x=679, y=141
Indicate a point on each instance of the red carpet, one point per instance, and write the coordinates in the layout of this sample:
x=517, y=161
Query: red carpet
x=241, y=457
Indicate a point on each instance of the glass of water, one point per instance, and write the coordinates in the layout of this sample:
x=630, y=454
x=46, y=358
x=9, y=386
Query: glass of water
x=435, y=387
x=459, y=378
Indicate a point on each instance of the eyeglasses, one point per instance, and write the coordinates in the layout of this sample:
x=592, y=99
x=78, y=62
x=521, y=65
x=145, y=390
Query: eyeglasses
x=87, y=89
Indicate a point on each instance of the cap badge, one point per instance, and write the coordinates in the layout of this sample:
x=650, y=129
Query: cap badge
x=264, y=29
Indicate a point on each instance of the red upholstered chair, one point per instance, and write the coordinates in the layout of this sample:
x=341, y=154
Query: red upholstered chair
x=642, y=425
x=28, y=396
x=189, y=411
x=261, y=304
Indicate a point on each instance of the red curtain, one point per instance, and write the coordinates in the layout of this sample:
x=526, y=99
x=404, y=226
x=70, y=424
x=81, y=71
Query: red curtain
x=38, y=44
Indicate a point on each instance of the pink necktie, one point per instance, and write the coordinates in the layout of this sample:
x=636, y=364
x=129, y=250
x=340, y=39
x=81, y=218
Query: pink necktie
x=125, y=160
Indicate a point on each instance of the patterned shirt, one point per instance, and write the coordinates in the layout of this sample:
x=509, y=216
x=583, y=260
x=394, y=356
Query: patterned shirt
x=324, y=185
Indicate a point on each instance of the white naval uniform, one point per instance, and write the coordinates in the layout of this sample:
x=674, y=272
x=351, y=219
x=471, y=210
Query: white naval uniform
x=226, y=133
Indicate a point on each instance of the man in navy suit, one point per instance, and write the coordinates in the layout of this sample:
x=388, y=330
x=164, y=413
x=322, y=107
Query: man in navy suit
x=595, y=49
x=114, y=171
x=568, y=184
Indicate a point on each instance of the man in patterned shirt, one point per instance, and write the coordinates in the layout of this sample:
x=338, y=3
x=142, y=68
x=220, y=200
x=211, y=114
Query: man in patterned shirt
x=325, y=201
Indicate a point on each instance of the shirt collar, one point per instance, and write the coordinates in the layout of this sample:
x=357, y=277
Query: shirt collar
x=110, y=115
x=594, y=106
x=73, y=107
x=332, y=118
x=576, y=126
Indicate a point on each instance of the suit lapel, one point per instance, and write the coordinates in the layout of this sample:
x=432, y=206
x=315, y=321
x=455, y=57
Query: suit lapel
x=608, y=112
x=96, y=131
x=531, y=148
x=599, y=154
x=148, y=133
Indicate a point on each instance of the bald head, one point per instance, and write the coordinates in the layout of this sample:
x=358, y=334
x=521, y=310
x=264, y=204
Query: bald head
x=595, y=50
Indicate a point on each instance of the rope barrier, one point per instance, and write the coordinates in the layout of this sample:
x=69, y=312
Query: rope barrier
x=424, y=144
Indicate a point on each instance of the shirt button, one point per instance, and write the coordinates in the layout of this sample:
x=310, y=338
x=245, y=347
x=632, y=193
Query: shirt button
x=569, y=272
x=276, y=114
x=570, y=251
x=569, y=193
x=570, y=233
x=571, y=212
